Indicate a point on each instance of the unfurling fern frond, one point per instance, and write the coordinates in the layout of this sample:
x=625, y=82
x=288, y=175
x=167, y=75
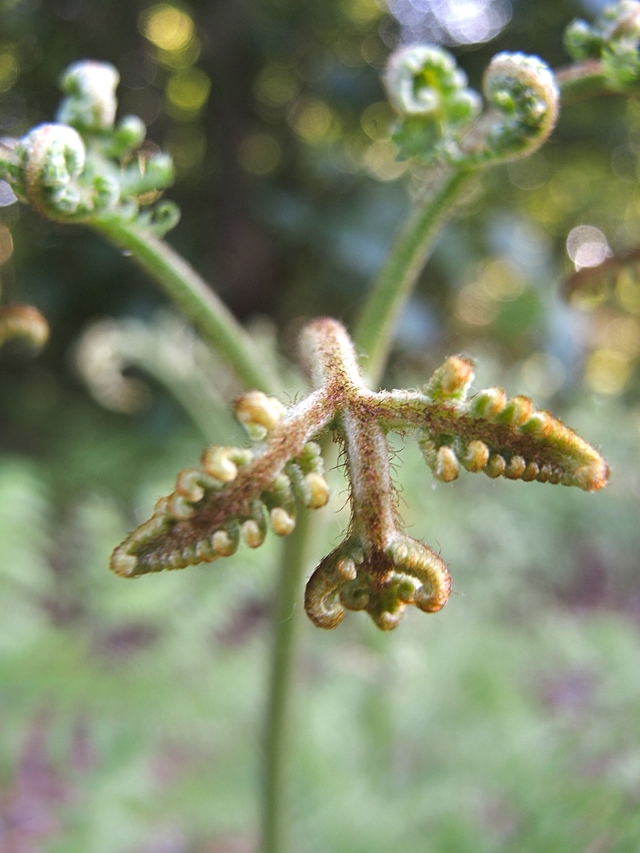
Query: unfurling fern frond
x=237, y=493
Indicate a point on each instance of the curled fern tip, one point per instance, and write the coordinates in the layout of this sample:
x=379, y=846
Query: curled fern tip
x=237, y=494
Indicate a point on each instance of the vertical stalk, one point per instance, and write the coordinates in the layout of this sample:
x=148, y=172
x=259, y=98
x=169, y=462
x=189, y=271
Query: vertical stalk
x=193, y=296
x=397, y=278
x=276, y=817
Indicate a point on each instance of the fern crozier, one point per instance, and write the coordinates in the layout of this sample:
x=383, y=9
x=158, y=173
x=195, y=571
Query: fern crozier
x=238, y=493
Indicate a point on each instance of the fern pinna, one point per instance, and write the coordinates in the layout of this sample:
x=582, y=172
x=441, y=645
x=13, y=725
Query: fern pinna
x=238, y=492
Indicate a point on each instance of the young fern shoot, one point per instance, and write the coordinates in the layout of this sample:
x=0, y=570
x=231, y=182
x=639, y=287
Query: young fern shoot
x=439, y=117
x=86, y=168
x=378, y=567
x=440, y=124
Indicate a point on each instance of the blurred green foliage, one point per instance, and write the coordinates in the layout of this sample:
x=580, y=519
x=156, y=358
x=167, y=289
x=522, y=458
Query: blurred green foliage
x=130, y=713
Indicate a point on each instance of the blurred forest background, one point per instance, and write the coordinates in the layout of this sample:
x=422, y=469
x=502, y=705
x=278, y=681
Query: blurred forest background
x=130, y=714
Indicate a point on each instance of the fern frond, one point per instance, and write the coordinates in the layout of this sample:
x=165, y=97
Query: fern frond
x=237, y=493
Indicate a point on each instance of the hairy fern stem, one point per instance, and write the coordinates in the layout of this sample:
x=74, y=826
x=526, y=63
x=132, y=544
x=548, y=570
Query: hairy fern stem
x=279, y=728
x=397, y=279
x=193, y=296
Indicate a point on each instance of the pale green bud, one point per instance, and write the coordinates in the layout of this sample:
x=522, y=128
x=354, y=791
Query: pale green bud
x=91, y=103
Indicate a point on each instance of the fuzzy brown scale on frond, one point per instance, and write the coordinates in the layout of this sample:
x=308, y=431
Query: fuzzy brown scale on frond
x=540, y=449
x=486, y=431
x=380, y=581
x=238, y=493
x=510, y=438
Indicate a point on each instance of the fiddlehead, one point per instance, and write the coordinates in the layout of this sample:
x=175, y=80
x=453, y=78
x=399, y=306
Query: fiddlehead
x=500, y=436
x=523, y=98
x=612, y=40
x=91, y=102
x=235, y=493
x=94, y=171
x=439, y=115
x=378, y=567
x=45, y=169
x=432, y=99
x=382, y=581
x=83, y=166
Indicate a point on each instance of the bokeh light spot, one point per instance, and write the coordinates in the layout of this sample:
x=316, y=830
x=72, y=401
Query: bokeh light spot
x=6, y=244
x=374, y=51
x=502, y=280
x=496, y=281
x=624, y=162
x=607, y=371
x=8, y=66
x=348, y=154
x=621, y=334
x=7, y=195
x=543, y=374
x=275, y=85
x=259, y=153
x=587, y=246
x=167, y=27
x=474, y=305
x=530, y=173
x=376, y=121
x=380, y=161
x=450, y=21
x=311, y=119
x=145, y=103
x=628, y=292
x=362, y=11
x=187, y=92
x=187, y=145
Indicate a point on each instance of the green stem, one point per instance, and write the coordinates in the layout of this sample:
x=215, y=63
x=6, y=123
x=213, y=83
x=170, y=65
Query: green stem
x=397, y=278
x=286, y=617
x=193, y=296
x=582, y=80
